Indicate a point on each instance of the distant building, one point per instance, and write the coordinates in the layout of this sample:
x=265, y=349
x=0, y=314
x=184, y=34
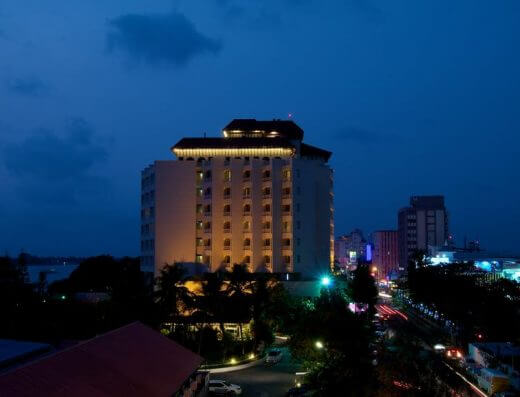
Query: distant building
x=257, y=196
x=386, y=252
x=133, y=360
x=350, y=248
x=424, y=223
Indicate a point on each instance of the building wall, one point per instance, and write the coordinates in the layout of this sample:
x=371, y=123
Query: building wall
x=421, y=225
x=300, y=217
x=386, y=255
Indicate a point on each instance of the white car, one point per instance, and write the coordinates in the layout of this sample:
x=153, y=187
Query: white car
x=274, y=356
x=223, y=387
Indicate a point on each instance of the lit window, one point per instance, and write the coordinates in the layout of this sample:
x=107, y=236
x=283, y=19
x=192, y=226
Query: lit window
x=247, y=225
x=198, y=225
x=287, y=175
x=247, y=192
x=199, y=192
x=227, y=175
x=198, y=258
x=199, y=242
x=199, y=208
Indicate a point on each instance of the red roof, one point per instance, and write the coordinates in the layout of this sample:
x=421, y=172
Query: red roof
x=130, y=361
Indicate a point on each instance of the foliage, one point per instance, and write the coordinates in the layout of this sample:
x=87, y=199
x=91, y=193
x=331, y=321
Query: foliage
x=465, y=296
x=343, y=364
x=363, y=289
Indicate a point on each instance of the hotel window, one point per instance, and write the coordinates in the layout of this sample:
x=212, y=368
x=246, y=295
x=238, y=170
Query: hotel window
x=227, y=192
x=287, y=191
x=207, y=259
x=199, y=208
x=207, y=209
x=267, y=208
x=267, y=242
x=287, y=175
x=286, y=208
x=287, y=242
x=198, y=242
x=267, y=259
x=286, y=226
x=227, y=226
x=207, y=175
x=199, y=192
x=207, y=226
x=227, y=175
x=247, y=209
x=247, y=242
x=246, y=192
x=246, y=175
x=266, y=174
x=287, y=259
x=207, y=242
x=198, y=258
x=227, y=243
x=227, y=259
x=266, y=225
x=198, y=225
x=266, y=191
x=227, y=209
x=199, y=175
x=247, y=259
x=247, y=226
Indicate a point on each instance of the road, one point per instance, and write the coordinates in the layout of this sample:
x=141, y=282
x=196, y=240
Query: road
x=262, y=380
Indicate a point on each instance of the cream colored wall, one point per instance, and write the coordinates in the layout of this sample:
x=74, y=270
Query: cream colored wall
x=174, y=212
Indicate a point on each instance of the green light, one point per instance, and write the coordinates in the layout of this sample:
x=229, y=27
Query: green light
x=63, y=297
x=325, y=281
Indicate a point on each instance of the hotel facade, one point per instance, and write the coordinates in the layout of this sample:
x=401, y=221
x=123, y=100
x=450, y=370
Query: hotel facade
x=257, y=196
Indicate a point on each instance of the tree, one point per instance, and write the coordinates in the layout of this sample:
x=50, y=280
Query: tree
x=362, y=288
x=333, y=345
x=171, y=295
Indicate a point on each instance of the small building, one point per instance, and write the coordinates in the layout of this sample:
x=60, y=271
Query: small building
x=133, y=360
x=496, y=360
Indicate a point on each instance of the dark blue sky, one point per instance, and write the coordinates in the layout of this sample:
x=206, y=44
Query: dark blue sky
x=413, y=97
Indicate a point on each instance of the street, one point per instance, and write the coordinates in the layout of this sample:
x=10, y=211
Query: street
x=262, y=380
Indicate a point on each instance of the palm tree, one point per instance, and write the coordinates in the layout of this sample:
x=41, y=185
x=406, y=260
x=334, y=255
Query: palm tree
x=238, y=289
x=171, y=295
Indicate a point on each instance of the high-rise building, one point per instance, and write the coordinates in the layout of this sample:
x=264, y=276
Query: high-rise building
x=386, y=252
x=257, y=196
x=350, y=248
x=424, y=223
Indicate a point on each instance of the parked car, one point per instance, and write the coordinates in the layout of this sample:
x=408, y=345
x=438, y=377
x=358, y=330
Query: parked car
x=221, y=387
x=274, y=356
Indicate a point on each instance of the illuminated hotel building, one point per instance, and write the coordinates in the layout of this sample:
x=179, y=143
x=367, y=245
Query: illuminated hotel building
x=421, y=225
x=257, y=196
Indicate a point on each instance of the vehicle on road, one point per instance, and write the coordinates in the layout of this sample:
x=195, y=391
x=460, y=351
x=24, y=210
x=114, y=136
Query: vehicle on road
x=274, y=356
x=221, y=387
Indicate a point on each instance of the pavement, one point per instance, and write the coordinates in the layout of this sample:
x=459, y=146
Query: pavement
x=264, y=380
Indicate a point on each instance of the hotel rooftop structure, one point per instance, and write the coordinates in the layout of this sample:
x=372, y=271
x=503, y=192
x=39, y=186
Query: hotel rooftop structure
x=257, y=196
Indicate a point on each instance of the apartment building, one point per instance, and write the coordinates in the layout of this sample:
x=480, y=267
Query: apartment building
x=422, y=224
x=257, y=196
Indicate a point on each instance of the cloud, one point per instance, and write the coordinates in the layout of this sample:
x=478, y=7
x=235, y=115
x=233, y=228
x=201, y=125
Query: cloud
x=27, y=86
x=365, y=136
x=48, y=168
x=169, y=39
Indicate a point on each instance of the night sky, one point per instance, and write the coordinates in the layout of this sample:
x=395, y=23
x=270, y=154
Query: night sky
x=412, y=97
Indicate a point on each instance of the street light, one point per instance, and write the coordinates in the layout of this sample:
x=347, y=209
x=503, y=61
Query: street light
x=319, y=344
x=325, y=281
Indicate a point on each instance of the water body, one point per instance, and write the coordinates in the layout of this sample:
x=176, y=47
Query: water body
x=54, y=272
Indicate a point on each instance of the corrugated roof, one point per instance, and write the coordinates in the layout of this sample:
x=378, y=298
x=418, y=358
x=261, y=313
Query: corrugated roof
x=131, y=361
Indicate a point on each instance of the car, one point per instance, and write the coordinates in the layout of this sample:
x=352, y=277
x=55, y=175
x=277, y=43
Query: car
x=274, y=356
x=221, y=387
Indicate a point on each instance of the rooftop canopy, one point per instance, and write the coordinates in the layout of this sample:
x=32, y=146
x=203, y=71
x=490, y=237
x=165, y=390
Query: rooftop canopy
x=239, y=128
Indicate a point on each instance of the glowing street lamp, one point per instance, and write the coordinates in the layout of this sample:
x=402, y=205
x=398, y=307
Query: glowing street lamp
x=325, y=281
x=319, y=345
